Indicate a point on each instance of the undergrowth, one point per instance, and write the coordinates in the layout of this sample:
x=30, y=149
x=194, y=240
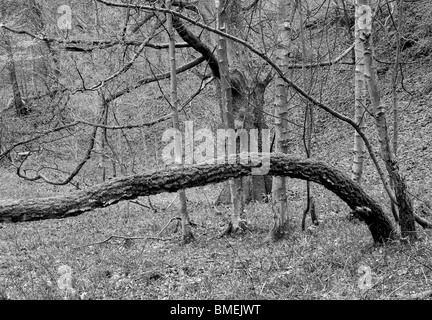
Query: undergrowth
x=128, y=251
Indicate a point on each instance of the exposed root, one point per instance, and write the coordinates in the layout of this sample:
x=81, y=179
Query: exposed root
x=278, y=233
x=423, y=222
x=231, y=230
x=188, y=238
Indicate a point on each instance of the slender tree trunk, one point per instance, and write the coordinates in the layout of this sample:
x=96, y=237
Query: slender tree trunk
x=48, y=70
x=395, y=78
x=307, y=134
x=406, y=214
x=237, y=223
x=20, y=108
x=279, y=196
x=397, y=8
x=101, y=138
x=360, y=101
x=185, y=220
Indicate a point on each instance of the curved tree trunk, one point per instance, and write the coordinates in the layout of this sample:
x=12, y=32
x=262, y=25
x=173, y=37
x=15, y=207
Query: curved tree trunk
x=154, y=182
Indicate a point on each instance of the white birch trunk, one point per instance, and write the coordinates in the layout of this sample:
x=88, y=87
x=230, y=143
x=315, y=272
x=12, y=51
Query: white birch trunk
x=406, y=214
x=360, y=102
x=185, y=220
x=279, y=197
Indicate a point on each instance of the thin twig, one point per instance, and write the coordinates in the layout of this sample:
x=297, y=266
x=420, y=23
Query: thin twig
x=151, y=205
x=172, y=202
x=139, y=203
x=163, y=229
x=125, y=238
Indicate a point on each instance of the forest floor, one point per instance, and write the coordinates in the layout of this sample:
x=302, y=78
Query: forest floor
x=128, y=251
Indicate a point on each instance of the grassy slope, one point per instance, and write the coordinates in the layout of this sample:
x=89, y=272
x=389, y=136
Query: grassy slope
x=322, y=263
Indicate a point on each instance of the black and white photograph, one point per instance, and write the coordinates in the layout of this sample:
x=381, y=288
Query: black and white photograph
x=216, y=157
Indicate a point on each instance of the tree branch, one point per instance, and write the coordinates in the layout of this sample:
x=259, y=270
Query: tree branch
x=281, y=74
x=157, y=77
x=172, y=180
x=197, y=44
x=324, y=63
x=90, y=45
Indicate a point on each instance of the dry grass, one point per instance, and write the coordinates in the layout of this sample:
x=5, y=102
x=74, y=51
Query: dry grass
x=322, y=263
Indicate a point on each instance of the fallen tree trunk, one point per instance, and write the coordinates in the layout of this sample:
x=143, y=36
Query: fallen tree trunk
x=172, y=180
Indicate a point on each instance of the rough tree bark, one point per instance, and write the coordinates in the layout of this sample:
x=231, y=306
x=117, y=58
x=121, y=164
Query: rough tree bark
x=254, y=188
x=172, y=180
x=248, y=93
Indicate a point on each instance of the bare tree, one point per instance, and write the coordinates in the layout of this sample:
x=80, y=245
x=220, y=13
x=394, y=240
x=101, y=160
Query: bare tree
x=404, y=204
x=286, y=13
x=359, y=100
x=308, y=127
x=185, y=221
x=223, y=7
x=17, y=100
